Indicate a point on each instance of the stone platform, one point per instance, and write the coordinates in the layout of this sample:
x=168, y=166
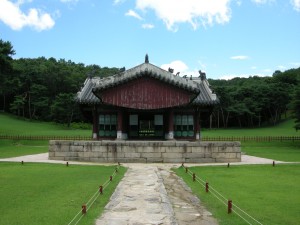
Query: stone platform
x=145, y=151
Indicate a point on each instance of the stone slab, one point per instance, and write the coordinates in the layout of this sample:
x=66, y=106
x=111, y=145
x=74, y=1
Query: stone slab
x=145, y=151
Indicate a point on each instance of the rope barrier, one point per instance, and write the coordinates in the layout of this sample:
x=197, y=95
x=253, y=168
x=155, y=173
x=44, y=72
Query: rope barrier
x=93, y=198
x=246, y=213
x=79, y=219
x=74, y=217
x=104, y=186
x=220, y=197
x=242, y=217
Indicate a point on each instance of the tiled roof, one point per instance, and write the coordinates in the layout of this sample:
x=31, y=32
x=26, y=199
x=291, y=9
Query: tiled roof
x=206, y=96
x=86, y=96
x=147, y=69
x=196, y=85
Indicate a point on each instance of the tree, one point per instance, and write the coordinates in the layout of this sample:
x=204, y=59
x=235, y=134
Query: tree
x=296, y=108
x=6, y=53
x=18, y=105
x=62, y=109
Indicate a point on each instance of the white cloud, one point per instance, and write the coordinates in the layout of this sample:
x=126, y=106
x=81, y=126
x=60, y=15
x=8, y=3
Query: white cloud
x=180, y=66
x=239, y=57
x=195, y=12
x=281, y=67
x=147, y=26
x=202, y=65
x=11, y=15
x=229, y=77
x=133, y=14
x=239, y=2
x=116, y=2
x=262, y=1
x=267, y=70
x=69, y=1
x=177, y=65
x=296, y=4
x=296, y=64
x=253, y=67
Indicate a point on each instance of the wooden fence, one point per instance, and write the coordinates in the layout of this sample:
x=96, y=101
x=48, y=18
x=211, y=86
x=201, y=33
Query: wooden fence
x=253, y=138
x=41, y=137
x=220, y=138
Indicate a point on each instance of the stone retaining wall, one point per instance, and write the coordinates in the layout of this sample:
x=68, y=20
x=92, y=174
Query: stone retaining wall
x=145, y=151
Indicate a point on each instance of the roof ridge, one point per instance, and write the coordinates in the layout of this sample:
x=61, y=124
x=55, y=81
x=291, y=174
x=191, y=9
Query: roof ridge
x=147, y=69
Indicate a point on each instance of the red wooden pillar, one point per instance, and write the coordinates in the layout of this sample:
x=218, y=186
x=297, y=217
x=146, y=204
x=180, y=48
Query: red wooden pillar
x=197, y=124
x=120, y=125
x=170, y=134
x=95, y=124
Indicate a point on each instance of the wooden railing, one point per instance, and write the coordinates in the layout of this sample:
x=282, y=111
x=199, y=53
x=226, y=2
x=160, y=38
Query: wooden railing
x=253, y=138
x=220, y=138
x=41, y=137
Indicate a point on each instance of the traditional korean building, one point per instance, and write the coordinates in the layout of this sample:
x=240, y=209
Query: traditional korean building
x=146, y=102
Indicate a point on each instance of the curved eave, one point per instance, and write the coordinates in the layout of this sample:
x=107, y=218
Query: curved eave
x=89, y=102
x=205, y=103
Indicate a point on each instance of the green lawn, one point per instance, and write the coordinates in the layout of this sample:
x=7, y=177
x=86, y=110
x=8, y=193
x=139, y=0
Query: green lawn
x=38, y=194
x=282, y=151
x=284, y=128
x=13, y=148
x=269, y=194
x=11, y=125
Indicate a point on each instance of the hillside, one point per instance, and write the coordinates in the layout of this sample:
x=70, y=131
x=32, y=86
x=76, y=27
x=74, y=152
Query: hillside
x=284, y=128
x=11, y=125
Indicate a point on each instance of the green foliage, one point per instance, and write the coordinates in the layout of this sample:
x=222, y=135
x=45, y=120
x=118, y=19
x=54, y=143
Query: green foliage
x=81, y=125
x=52, y=194
x=254, y=101
x=269, y=194
x=6, y=52
x=62, y=108
x=296, y=107
x=35, y=88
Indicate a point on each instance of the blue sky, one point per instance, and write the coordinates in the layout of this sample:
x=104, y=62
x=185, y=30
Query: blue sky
x=225, y=38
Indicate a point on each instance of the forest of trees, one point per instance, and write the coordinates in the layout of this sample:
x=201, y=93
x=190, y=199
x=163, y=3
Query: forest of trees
x=256, y=101
x=44, y=89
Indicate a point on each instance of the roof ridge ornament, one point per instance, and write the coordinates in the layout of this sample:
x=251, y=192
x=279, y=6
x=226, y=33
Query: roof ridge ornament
x=202, y=75
x=146, y=58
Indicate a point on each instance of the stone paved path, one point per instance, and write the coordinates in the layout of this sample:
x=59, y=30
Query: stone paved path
x=43, y=158
x=140, y=198
x=152, y=194
x=186, y=206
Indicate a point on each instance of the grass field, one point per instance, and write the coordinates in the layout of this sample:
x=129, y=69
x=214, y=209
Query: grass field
x=53, y=194
x=285, y=128
x=14, y=148
x=282, y=151
x=269, y=194
x=38, y=194
x=11, y=125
